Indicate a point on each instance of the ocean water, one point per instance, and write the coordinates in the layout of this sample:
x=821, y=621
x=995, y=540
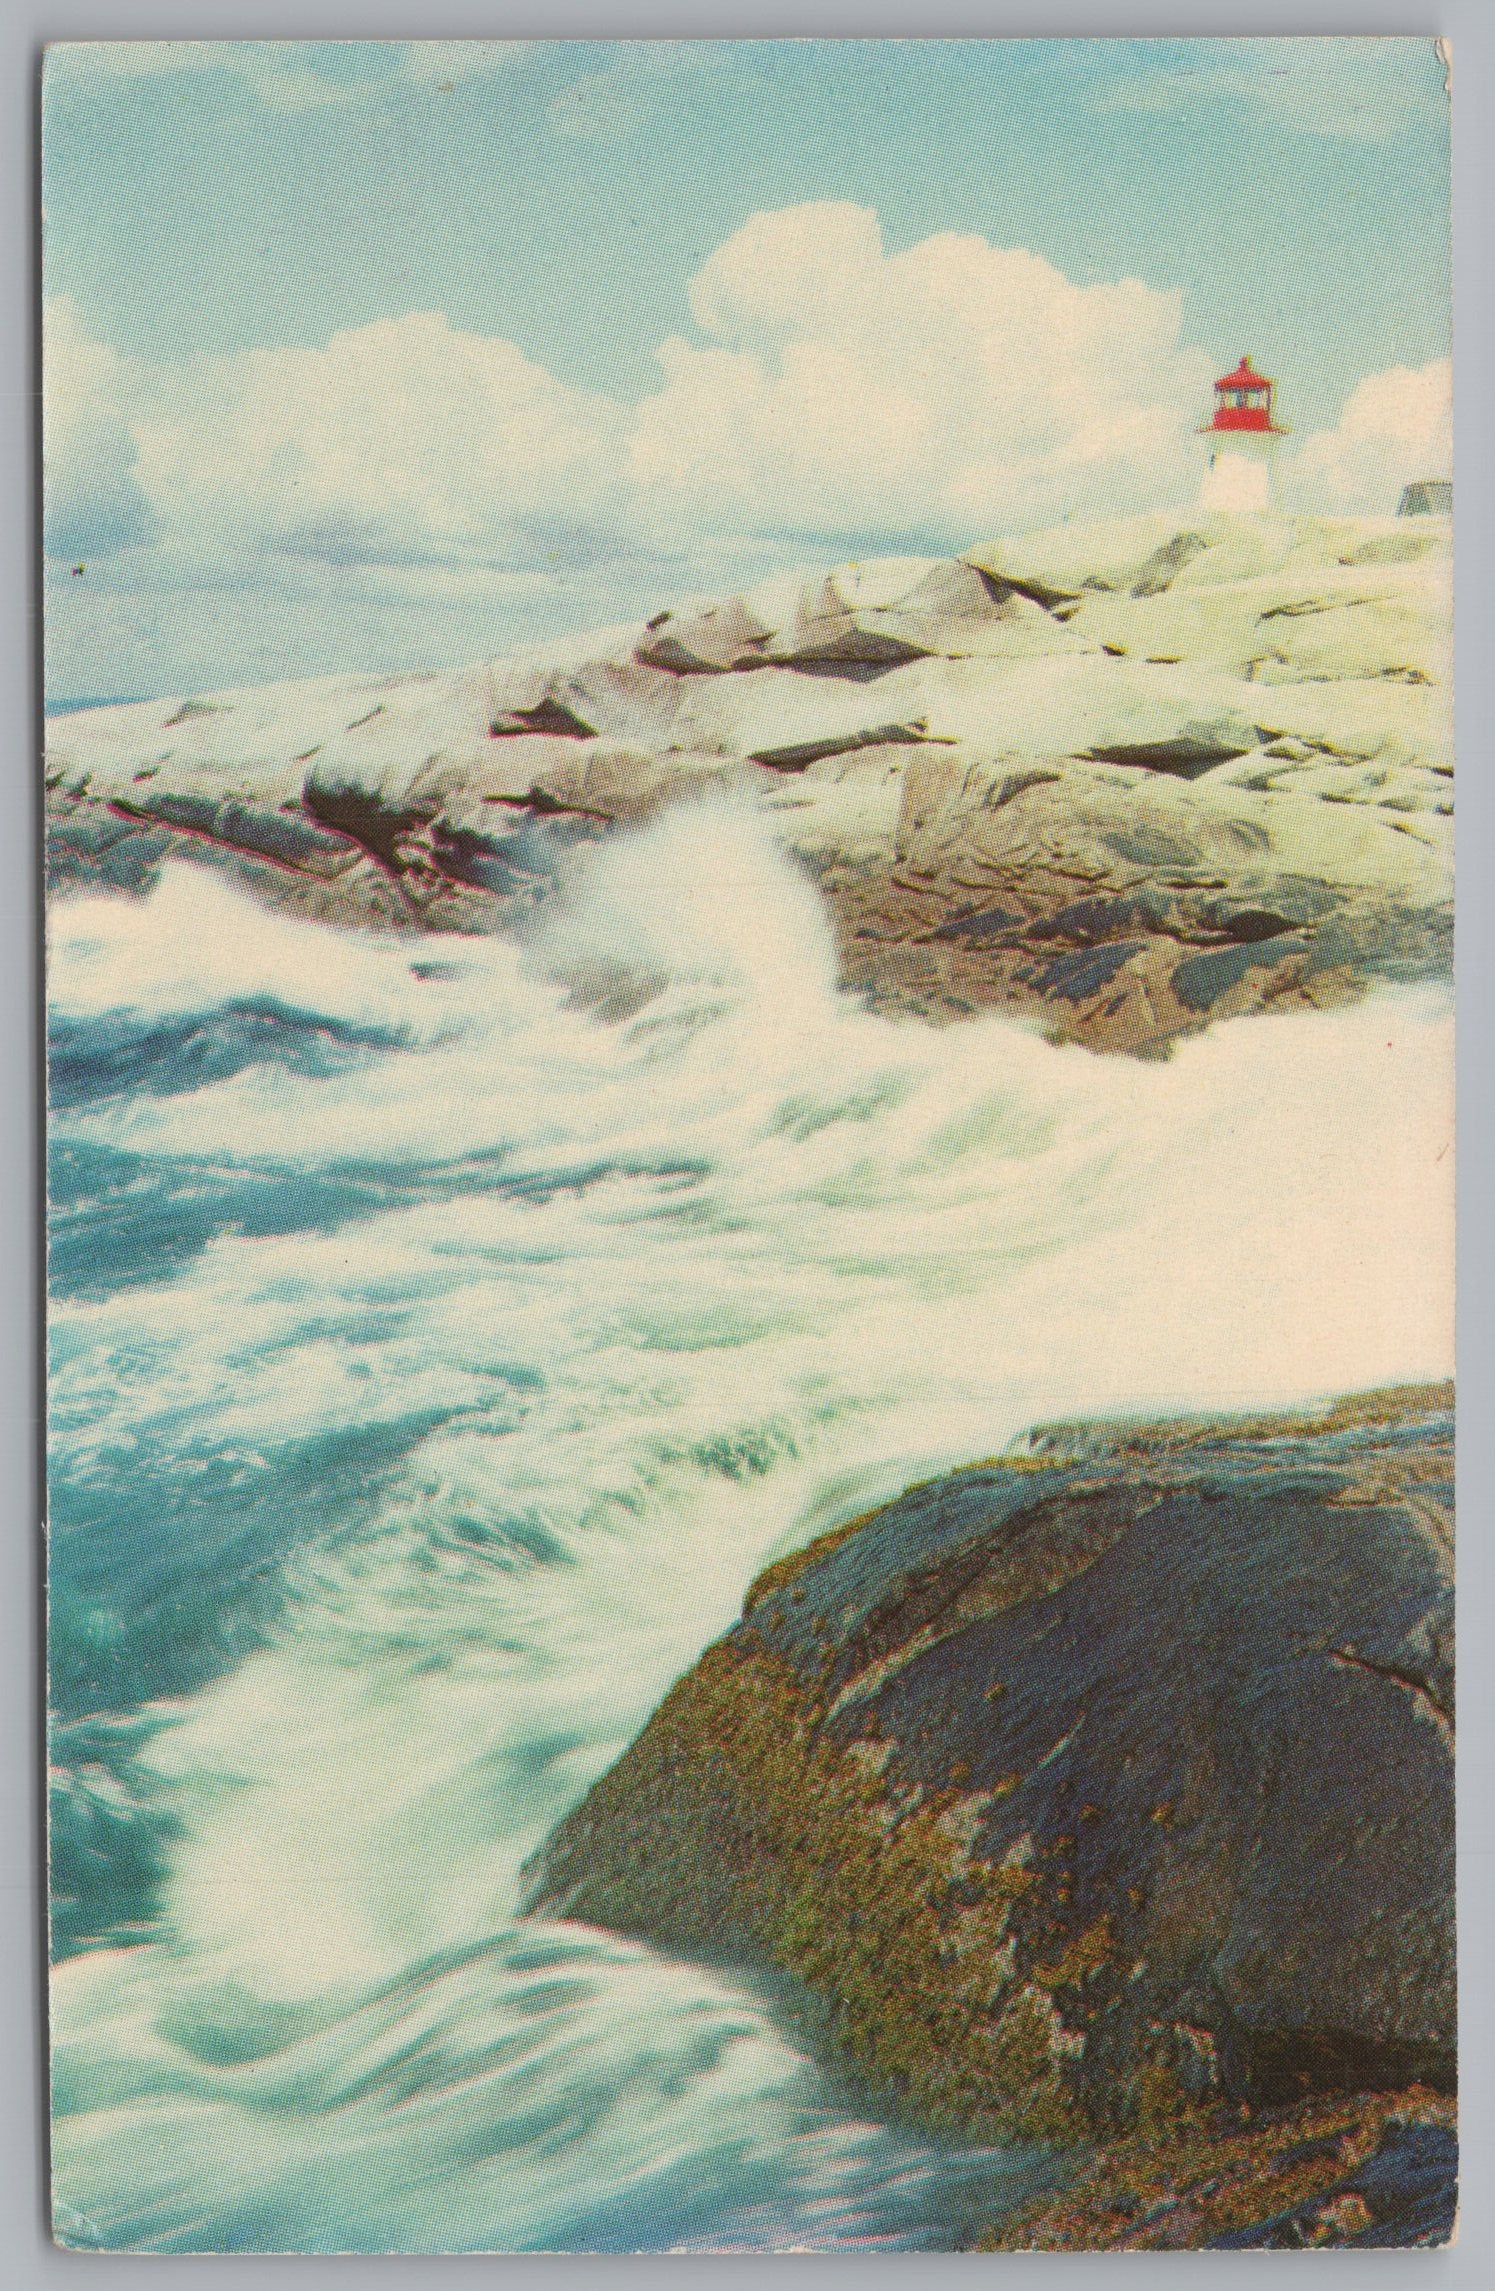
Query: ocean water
x=442, y=1338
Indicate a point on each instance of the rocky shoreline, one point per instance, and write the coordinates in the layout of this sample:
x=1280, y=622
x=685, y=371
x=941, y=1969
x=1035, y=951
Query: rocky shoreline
x=1120, y=780
x=1103, y=1794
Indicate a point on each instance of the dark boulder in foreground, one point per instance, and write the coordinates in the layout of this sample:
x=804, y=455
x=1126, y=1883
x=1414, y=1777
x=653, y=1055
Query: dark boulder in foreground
x=1091, y=1790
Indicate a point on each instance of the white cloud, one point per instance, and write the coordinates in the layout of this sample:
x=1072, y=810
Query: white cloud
x=1396, y=426
x=835, y=388
x=953, y=386
x=403, y=436
x=94, y=503
x=835, y=400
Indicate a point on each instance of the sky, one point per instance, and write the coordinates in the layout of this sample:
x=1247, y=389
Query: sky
x=373, y=355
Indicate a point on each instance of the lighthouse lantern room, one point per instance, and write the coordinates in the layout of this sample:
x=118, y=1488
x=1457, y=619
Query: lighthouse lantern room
x=1243, y=433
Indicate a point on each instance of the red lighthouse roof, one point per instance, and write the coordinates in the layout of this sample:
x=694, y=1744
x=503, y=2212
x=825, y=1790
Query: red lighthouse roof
x=1245, y=377
x=1243, y=401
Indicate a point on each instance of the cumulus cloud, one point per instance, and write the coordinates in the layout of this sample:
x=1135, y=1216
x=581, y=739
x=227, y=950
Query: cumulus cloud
x=955, y=385
x=1396, y=426
x=404, y=436
x=833, y=399
x=832, y=388
x=94, y=504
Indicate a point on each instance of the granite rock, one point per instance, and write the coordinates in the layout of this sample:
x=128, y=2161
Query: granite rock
x=1064, y=774
x=1108, y=1780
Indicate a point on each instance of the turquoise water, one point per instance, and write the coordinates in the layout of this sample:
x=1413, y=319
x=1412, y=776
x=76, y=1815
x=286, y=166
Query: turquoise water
x=434, y=1363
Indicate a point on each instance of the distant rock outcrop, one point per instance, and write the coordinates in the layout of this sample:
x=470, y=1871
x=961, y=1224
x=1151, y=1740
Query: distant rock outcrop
x=1427, y=497
x=1087, y=1789
x=1123, y=777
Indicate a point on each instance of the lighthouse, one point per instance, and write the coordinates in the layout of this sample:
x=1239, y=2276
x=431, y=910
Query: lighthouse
x=1242, y=434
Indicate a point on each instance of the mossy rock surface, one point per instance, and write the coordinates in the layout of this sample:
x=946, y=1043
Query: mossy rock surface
x=1088, y=1788
x=1374, y=2171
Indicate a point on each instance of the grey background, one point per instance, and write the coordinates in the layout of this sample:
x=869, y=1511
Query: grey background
x=26, y=2256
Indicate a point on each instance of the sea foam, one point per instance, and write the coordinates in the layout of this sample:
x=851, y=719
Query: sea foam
x=632, y=1255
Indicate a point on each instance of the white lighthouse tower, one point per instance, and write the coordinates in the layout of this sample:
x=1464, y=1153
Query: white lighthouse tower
x=1243, y=434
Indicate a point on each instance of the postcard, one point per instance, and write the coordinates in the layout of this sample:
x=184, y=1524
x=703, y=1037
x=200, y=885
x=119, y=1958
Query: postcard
x=749, y=796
